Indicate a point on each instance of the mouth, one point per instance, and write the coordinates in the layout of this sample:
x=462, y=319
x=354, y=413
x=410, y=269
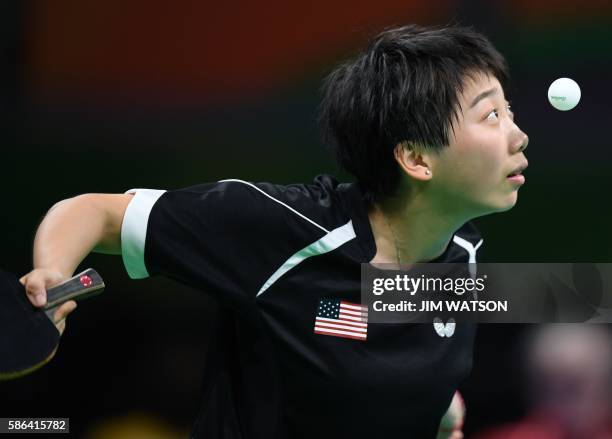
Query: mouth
x=516, y=176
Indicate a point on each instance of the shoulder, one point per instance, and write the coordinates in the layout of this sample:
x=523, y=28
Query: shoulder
x=315, y=203
x=322, y=192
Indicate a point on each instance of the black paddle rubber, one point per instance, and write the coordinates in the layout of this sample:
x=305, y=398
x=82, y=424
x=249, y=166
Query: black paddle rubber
x=28, y=338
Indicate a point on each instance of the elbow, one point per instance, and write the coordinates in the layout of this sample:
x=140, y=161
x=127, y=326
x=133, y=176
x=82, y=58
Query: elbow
x=86, y=198
x=103, y=214
x=59, y=204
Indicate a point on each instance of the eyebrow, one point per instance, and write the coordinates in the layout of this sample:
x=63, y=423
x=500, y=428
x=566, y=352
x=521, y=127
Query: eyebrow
x=483, y=95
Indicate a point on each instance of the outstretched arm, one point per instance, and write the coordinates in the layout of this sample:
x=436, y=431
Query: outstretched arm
x=71, y=230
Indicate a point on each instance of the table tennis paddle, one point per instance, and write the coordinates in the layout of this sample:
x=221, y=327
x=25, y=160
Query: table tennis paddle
x=28, y=336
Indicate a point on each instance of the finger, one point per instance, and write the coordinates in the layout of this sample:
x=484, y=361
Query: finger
x=22, y=279
x=36, y=285
x=35, y=289
x=61, y=326
x=62, y=312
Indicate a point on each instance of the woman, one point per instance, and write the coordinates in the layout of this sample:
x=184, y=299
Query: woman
x=421, y=121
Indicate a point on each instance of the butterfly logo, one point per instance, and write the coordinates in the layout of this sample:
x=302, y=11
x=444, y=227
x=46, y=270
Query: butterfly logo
x=444, y=329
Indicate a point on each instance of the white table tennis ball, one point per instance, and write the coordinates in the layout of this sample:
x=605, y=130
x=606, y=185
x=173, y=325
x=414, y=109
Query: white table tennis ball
x=564, y=94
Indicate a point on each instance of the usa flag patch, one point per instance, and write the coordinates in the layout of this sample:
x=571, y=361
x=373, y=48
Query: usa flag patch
x=339, y=318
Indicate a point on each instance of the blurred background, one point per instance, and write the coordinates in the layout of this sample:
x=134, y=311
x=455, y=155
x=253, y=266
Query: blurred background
x=104, y=96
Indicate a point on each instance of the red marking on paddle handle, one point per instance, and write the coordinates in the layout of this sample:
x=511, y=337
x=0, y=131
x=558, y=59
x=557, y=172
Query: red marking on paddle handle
x=86, y=281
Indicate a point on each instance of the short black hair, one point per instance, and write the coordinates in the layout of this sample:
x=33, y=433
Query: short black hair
x=403, y=88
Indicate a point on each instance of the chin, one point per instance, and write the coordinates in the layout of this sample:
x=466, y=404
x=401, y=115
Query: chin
x=508, y=203
x=499, y=205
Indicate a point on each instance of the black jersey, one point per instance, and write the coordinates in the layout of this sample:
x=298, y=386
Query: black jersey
x=293, y=355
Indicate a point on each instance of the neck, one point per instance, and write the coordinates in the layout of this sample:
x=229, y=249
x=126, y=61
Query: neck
x=412, y=228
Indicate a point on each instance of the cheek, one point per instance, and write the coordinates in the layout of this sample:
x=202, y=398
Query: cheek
x=480, y=157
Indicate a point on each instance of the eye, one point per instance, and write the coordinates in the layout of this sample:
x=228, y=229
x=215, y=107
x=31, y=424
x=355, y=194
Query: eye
x=492, y=116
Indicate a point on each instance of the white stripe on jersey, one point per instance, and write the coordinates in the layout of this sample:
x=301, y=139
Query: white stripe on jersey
x=278, y=201
x=471, y=249
x=326, y=244
x=467, y=245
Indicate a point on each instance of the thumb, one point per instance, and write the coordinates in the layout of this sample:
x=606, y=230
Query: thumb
x=62, y=312
x=59, y=317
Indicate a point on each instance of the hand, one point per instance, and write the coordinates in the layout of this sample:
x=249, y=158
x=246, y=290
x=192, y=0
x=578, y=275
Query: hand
x=452, y=421
x=36, y=283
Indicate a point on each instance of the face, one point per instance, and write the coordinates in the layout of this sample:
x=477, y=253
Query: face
x=476, y=171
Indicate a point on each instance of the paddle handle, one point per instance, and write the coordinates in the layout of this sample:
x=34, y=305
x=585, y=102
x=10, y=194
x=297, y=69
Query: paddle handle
x=85, y=284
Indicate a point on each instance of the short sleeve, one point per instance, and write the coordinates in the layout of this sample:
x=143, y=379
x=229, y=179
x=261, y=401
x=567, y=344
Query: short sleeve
x=226, y=238
x=134, y=230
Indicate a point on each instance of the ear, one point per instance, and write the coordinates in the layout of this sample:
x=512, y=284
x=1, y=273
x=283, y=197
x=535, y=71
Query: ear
x=414, y=161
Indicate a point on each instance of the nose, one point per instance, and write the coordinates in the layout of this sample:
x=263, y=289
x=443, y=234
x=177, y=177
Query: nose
x=524, y=143
x=520, y=140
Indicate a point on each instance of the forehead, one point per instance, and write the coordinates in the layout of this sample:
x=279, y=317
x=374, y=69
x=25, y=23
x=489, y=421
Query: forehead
x=475, y=85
